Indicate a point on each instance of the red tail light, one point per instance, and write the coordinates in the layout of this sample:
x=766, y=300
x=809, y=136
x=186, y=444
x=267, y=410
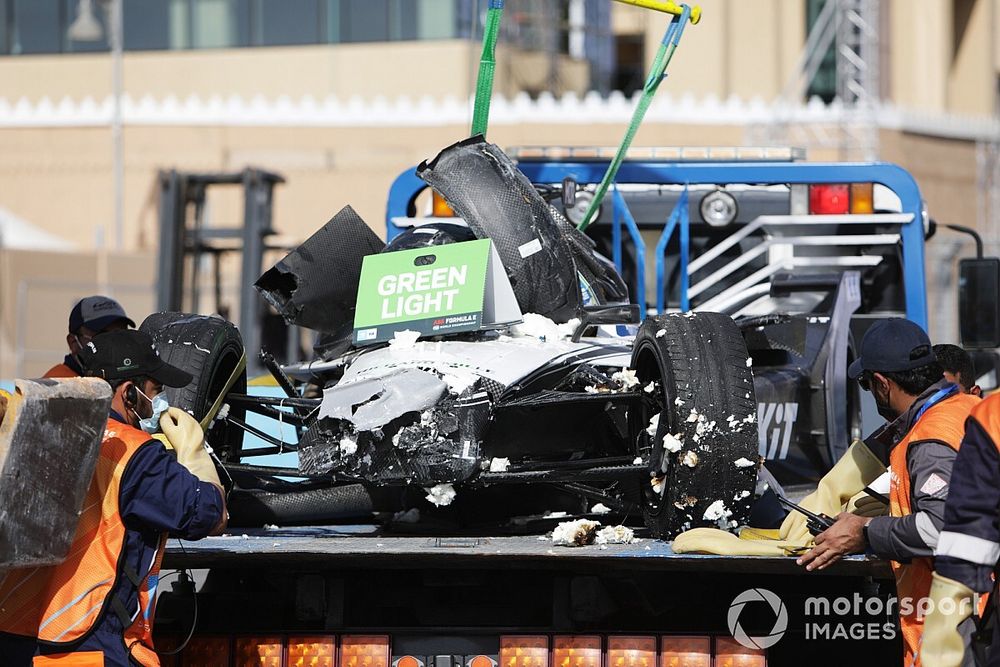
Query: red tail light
x=830, y=199
x=364, y=651
x=631, y=651
x=576, y=651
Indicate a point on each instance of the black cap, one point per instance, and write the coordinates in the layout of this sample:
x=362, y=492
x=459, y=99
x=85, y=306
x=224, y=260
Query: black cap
x=96, y=313
x=892, y=345
x=120, y=355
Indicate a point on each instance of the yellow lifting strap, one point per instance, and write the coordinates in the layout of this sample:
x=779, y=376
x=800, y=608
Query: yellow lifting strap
x=665, y=7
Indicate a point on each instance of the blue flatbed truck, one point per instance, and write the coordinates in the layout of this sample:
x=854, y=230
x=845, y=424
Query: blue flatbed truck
x=357, y=596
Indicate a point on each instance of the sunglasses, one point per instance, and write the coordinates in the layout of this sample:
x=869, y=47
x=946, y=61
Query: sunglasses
x=865, y=380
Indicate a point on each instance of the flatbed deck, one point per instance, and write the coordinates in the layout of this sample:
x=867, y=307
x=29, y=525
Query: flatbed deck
x=364, y=547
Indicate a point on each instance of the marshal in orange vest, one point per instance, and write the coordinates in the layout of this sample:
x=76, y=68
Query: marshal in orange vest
x=62, y=603
x=943, y=422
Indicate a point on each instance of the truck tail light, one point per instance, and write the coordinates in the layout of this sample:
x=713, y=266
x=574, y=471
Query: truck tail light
x=686, y=652
x=730, y=653
x=862, y=198
x=439, y=207
x=259, y=651
x=364, y=651
x=524, y=651
x=576, y=651
x=631, y=651
x=829, y=199
x=206, y=652
x=482, y=661
x=318, y=651
x=408, y=661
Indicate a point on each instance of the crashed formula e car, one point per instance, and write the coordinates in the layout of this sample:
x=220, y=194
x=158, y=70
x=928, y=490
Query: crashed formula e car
x=662, y=420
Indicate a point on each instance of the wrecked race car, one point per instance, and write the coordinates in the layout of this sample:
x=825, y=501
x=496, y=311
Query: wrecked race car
x=656, y=418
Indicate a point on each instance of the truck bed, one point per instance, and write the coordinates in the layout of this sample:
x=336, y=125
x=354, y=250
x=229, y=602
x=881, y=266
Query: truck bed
x=364, y=547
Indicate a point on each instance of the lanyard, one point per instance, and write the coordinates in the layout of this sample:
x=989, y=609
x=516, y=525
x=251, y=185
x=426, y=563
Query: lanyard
x=938, y=396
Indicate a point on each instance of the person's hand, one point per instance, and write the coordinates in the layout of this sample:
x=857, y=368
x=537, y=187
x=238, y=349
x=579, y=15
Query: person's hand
x=183, y=432
x=844, y=537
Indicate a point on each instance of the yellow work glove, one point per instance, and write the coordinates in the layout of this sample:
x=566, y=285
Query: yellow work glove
x=941, y=644
x=855, y=470
x=188, y=440
x=864, y=505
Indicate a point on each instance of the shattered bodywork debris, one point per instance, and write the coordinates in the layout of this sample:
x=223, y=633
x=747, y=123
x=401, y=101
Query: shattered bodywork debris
x=575, y=533
x=371, y=403
x=499, y=464
x=404, y=339
x=440, y=495
x=615, y=535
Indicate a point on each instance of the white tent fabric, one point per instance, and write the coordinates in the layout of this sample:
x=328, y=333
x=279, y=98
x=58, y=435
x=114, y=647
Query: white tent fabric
x=19, y=234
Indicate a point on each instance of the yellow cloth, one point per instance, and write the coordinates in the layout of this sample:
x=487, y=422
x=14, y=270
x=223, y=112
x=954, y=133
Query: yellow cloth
x=715, y=541
x=856, y=469
x=942, y=644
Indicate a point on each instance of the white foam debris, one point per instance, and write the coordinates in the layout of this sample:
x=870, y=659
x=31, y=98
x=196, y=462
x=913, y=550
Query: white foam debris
x=672, y=442
x=720, y=514
x=678, y=402
x=661, y=333
x=600, y=508
x=690, y=459
x=657, y=484
x=637, y=461
x=741, y=495
x=743, y=462
x=716, y=511
x=575, y=533
x=542, y=538
x=615, y=535
x=458, y=381
x=440, y=495
x=395, y=439
x=654, y=424
x=404, y=339
x=499, y=464
x=626, y=378
x=348, y=444
x=542, y=328
x=749, y=362
x=411, y=515
x=650, y=388
x=592, y=389
x=271, y=526
x=555, y=515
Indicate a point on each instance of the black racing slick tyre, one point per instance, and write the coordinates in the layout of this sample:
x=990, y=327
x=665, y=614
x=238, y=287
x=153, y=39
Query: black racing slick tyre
x=210, y=349
x=703, y=456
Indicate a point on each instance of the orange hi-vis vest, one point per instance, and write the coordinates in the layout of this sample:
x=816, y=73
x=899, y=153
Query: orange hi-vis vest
x=61, y=604
x=942, y=422
x=61, y=371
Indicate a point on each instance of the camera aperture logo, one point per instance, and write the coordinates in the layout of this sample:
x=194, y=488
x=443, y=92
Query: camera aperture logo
x=777, y=607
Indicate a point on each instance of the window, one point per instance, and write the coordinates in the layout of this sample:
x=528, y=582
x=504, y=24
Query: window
x=403, y=19
x=824, y=84
x=278, y=22
x=365, y=20
x=436, y=19
x=5, y=7
x=220, y=23
x=147, y=24
x=37, y=26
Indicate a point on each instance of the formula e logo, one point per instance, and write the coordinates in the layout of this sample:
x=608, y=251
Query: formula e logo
x=777, y=608
x=775, y=423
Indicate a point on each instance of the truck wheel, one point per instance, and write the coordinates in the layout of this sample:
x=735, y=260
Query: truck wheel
x=210, y=349
x=706, y=402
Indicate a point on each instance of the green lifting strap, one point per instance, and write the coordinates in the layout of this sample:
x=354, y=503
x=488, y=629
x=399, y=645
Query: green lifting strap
x=657, y=73
x=487, y=66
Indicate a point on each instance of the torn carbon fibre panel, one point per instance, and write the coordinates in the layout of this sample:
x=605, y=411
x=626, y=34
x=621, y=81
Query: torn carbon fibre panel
x=438, y=445
x=316, y=285
x=485, y=188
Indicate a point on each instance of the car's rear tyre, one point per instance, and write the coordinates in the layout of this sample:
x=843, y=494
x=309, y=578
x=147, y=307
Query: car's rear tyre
x=701, y=363
x=210, y=349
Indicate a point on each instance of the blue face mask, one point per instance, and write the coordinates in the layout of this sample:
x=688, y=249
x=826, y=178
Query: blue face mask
x=151, y=424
